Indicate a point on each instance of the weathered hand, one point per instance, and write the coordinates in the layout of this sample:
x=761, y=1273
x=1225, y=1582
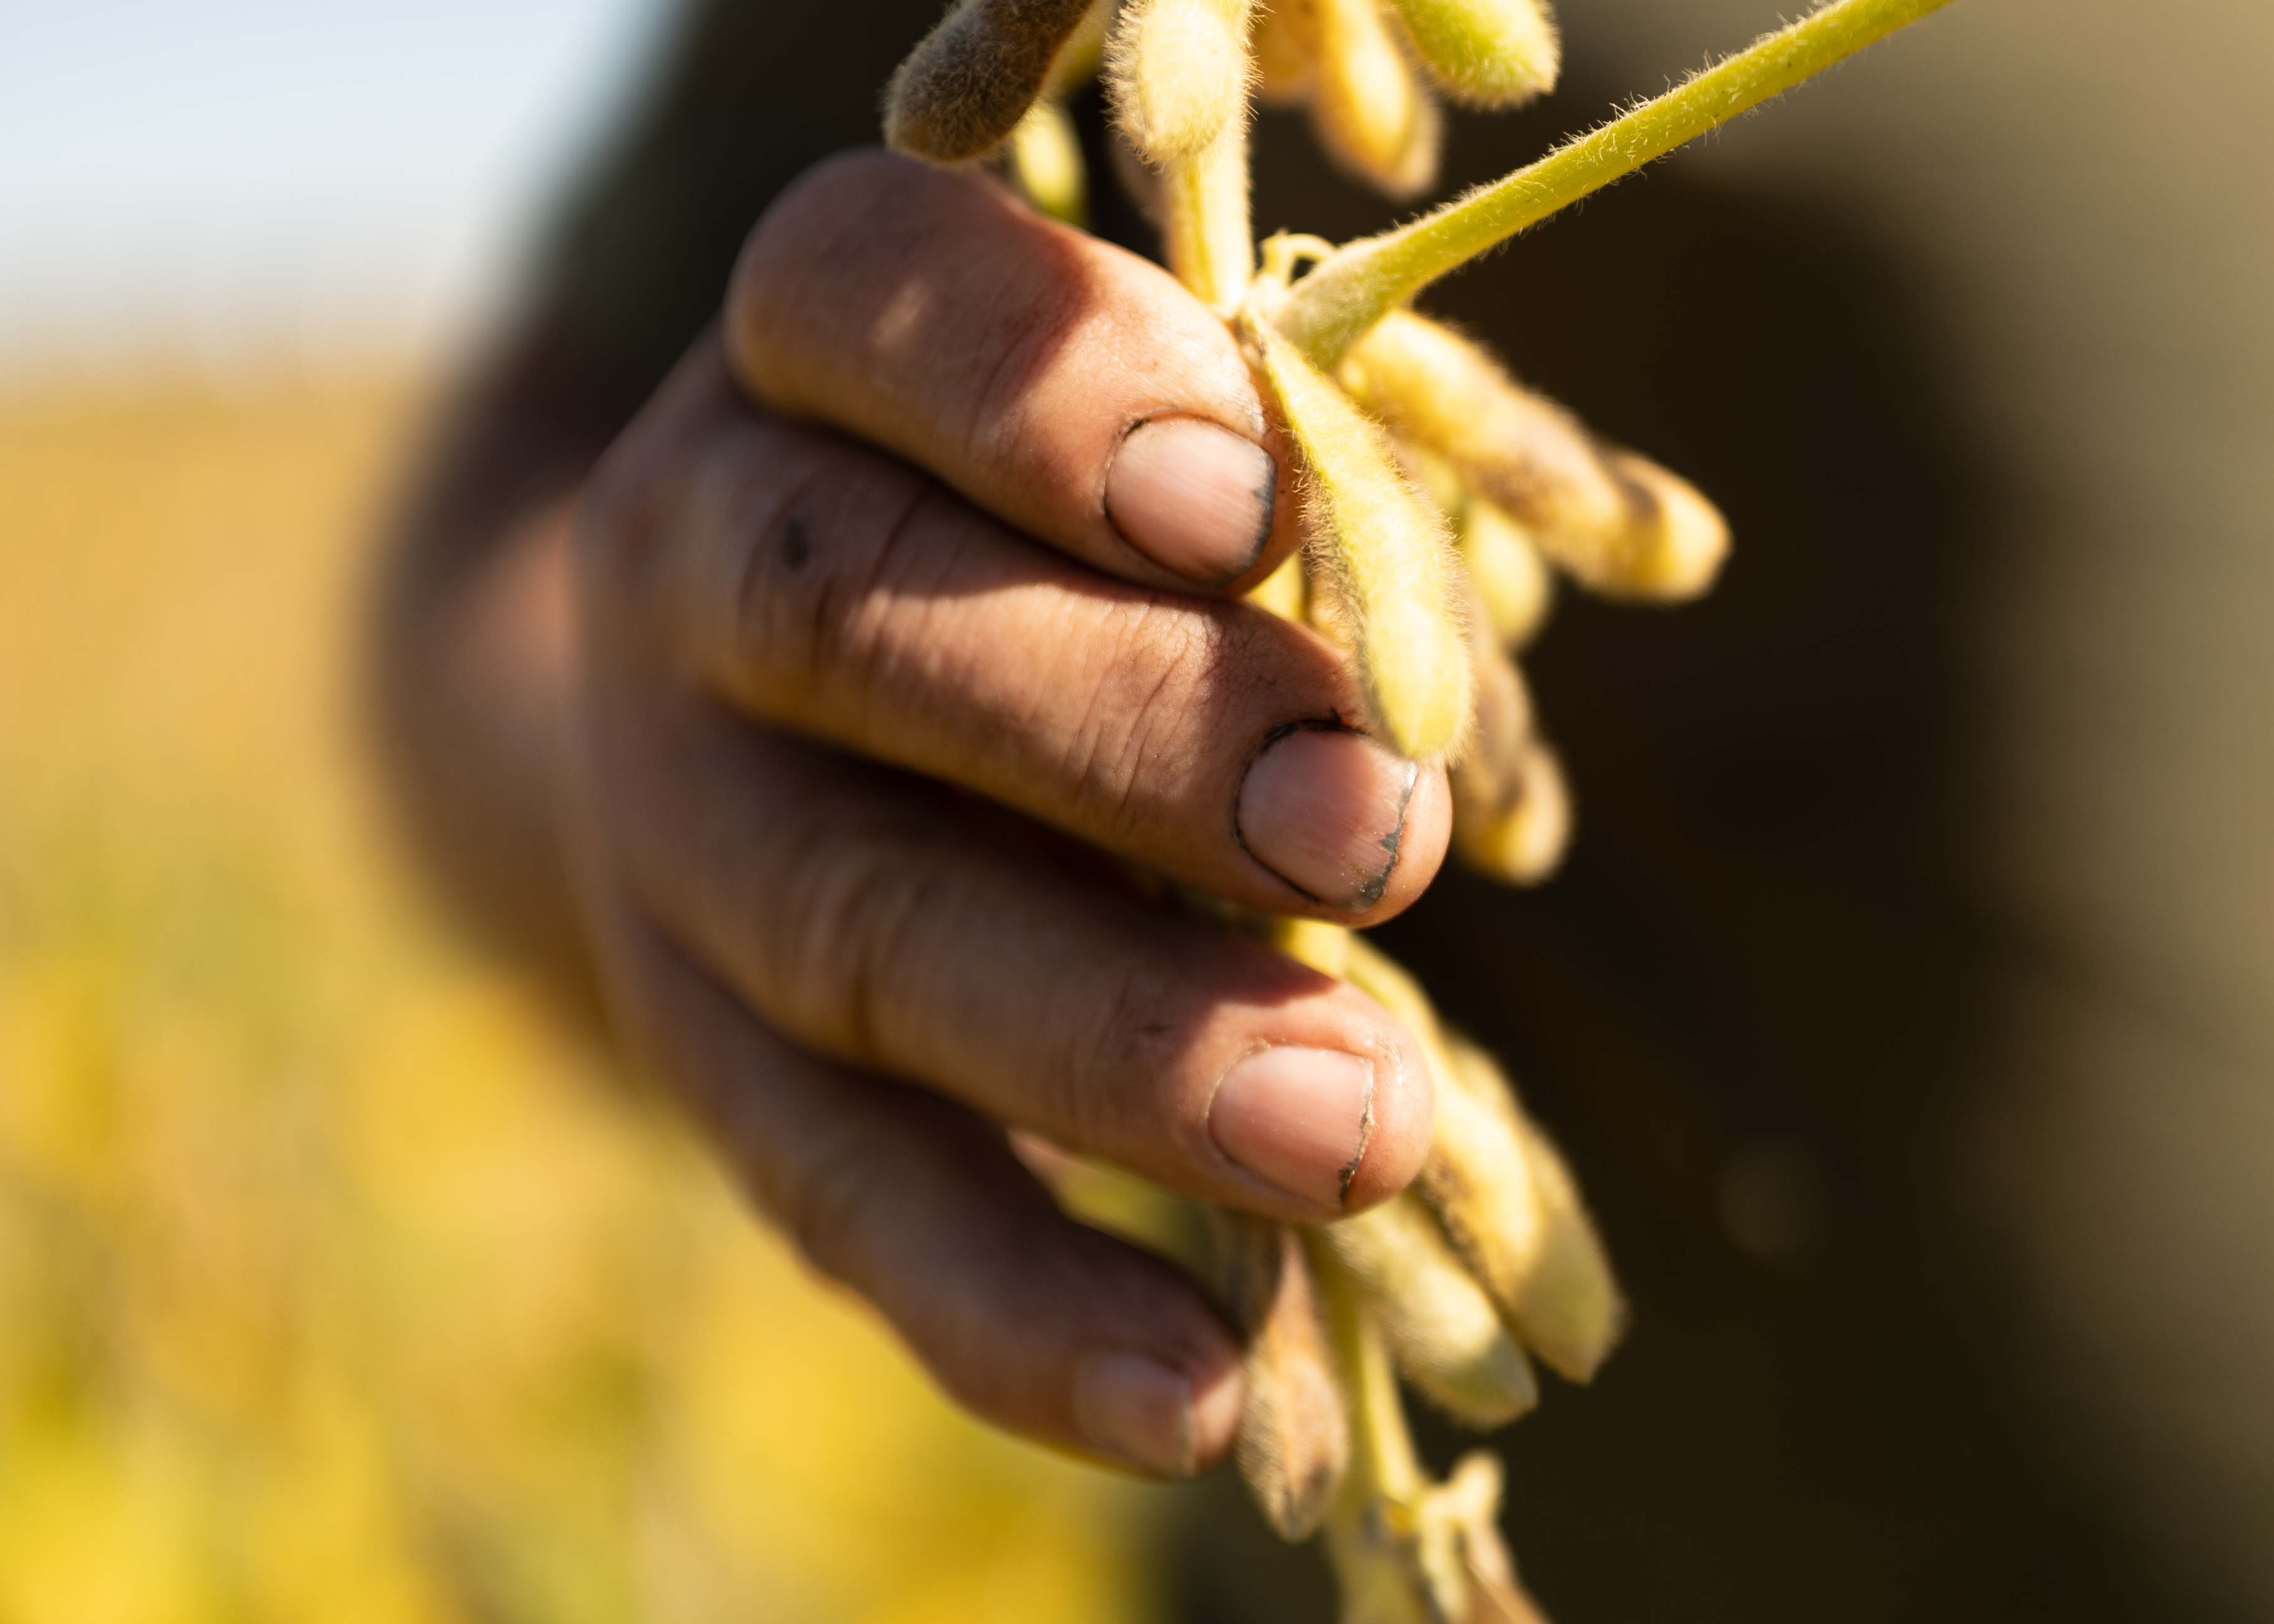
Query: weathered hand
x=905, y=642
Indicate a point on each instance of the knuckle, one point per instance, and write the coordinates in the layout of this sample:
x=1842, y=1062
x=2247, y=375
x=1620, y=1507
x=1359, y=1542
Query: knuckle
x=823, y=1202
x=672, y=498
x=1000, y=1353
x=1146, y=715
x=844, y=222
x=962, y=1348
x=840, y=193
x=961, y=1344
x=851, y=914
x=808, y=584
x=754, y=512
x=808, y=214
x=1014, y=342
x=1115, y=1074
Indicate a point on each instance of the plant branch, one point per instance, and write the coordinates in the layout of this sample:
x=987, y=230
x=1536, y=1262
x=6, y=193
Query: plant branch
x=1384, y=1464
x=1211, y=246
x=1329, y=309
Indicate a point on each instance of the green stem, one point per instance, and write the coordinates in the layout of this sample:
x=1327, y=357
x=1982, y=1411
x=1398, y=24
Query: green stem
x=1211, y=245
x=1332, y=309
x=1384, y=1464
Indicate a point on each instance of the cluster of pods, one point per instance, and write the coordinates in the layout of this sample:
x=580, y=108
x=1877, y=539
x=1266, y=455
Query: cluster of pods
x=1442, y=501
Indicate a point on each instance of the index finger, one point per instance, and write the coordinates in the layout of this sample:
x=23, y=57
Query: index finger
x=1067, y=386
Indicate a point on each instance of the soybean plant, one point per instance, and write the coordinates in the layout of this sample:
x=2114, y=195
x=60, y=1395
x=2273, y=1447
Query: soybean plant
x=1441, y=499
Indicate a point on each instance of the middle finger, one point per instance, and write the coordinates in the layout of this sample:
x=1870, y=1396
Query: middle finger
x=894, y=926
x=822, y=586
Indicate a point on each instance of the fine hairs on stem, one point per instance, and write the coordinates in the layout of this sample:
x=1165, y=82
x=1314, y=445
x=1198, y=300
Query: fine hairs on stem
x=1337, y=302
x=1178, y=72
x=1205, y=228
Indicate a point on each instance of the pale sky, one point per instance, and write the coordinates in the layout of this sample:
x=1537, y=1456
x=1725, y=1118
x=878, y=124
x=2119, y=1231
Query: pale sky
x=210, y=176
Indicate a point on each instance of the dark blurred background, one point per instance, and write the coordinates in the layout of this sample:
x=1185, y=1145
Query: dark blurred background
x=1907, y=1005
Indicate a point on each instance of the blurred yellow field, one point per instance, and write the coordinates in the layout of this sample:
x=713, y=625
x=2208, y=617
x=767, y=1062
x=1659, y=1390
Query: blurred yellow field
x=333, y=1286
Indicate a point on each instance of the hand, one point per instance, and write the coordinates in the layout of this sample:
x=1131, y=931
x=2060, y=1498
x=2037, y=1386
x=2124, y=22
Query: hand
x=904, y=627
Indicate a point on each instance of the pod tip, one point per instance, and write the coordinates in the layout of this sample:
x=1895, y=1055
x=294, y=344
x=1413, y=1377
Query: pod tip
x=1689, y=540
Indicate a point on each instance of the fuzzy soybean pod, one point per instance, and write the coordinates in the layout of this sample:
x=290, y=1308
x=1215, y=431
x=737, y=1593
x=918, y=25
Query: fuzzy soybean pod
x=1486, y=53
x=1511, y=816
x=1435, y=1558
x=1324, y=947
x=1383, y=550
x=1284, y=591
x=1511, y=811
x=1464, y=1512
x=1373, y=114
x=1441, y=1329
x=1515, y=825
x=1672, y=549
x=1511, y=1207
x=1293, y=1444
x=1501, y=1192
x=1436, y=478
x=1083, y=55
x=1383, y=980
x=1615, y=521
x=962, y=91
x=1285, y=43
x=1045, y=158
x=1502, y=719
x=1177, y=73
x=1512, y=580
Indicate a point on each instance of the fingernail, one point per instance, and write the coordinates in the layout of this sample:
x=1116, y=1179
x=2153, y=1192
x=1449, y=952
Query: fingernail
x=1324, y=809
x=1192, y=496
x=1297, y=1119
x=1138, y=1410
